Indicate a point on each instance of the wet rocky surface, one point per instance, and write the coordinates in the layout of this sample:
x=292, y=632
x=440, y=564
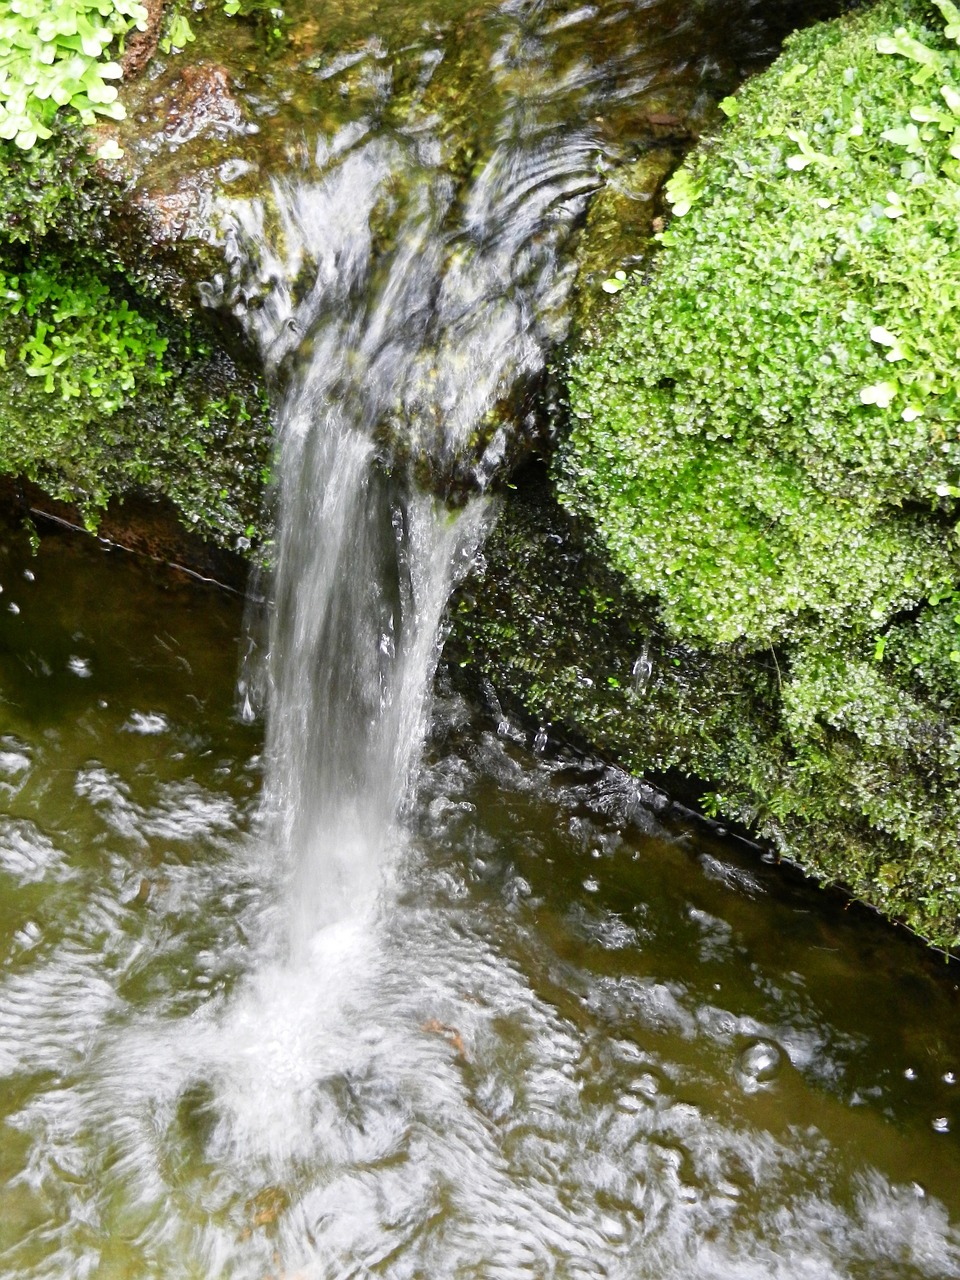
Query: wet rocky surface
x=244, y=104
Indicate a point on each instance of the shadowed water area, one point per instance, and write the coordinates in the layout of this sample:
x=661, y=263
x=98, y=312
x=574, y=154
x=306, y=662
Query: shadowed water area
x=373, y=986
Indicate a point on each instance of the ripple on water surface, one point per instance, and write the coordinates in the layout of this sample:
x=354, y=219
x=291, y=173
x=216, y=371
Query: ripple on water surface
x=695, y=1069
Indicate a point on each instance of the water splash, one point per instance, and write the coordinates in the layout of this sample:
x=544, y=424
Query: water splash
x=501, y=1076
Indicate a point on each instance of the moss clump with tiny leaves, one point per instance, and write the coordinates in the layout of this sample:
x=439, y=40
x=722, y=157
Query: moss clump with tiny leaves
x=104, y=392
x=104, y=388
x=766, y=444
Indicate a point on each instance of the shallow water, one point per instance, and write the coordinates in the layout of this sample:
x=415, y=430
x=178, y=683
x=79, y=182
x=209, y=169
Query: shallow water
x=573, y=1036
x=439, y=73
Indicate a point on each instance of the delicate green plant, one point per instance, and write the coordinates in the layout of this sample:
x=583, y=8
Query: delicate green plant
x=59, y=54
x=179, y=34
x=55, y=53
x=82, y=341
x=614, y=283
x=786, y=379
x=101, y=396
x=683, y=190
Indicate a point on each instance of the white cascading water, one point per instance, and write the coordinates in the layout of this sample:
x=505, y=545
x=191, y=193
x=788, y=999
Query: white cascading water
x=417, y=344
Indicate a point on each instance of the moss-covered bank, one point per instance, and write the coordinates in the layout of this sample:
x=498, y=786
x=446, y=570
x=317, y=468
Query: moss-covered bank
x=106, y=389
x=766, y=444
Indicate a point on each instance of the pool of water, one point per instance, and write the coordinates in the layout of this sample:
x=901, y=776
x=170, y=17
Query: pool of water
x=572, y=1035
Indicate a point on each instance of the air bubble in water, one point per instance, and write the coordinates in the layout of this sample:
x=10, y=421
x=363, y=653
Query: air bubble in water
x=760, y=1062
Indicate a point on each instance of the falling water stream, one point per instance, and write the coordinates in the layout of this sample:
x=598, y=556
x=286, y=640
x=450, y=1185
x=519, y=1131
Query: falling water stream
x=369, y=986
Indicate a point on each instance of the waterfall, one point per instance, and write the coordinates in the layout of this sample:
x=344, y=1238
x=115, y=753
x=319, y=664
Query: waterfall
x=362, y=574
x=399, y=309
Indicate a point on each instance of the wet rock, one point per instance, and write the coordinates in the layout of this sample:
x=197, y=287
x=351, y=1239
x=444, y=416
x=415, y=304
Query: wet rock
x=201, y=99
x=142, y=45
x=619, y=226
x=172, y=214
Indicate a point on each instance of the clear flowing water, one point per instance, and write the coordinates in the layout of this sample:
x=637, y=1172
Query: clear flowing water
x=580, y=1039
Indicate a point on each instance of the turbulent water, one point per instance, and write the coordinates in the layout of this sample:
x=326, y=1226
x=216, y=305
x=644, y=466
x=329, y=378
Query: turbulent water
x=328, y=1002
x=583, y=1039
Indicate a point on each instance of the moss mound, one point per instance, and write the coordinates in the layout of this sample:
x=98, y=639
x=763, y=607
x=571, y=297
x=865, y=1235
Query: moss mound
x=767, y=443
x=104, y=389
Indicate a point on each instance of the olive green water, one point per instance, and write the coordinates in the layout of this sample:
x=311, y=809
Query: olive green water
x=573, y=1038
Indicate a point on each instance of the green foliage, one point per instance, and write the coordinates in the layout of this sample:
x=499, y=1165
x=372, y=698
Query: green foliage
x=49, y=189
x=83, y=339
x=766, y=442
x=101, y=396
x=103, y=390
x=179, y=34
x=766, y=428
x=53, y=54
x=58, y=54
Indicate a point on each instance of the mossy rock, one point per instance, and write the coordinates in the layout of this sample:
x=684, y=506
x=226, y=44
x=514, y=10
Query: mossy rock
x=847, y=769
x=104, y=393
x=554, y=628
x=112, y=381
x=766, y=447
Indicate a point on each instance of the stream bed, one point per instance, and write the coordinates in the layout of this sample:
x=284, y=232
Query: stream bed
x=571, y=1034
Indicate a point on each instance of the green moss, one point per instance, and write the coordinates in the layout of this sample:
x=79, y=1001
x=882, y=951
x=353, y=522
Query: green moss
x=103, y=393
x=726, y=453
x=81, y=340
x=766, y=441
x=551, y=625
x=46, y=189
x=104, y=389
